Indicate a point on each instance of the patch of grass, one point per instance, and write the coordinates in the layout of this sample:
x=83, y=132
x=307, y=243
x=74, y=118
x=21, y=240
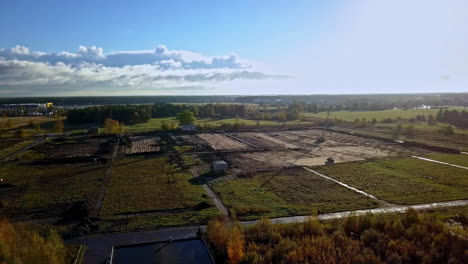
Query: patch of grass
x=378, y=115
x=11, y=148
x=402, y=181
x=154, y=185
x=286, y=193
x=43, y=186
x=21, y=121
x=155, y=123
x=457, y=159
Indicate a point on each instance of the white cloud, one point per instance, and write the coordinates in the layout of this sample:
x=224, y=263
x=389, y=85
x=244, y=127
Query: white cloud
x=133, y=72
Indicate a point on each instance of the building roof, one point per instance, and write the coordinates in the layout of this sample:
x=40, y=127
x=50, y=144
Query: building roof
x=219, y=162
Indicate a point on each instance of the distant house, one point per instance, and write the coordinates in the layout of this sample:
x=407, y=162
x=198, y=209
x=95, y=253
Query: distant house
x=93, y=131
x=219, y=166
x=189, y=127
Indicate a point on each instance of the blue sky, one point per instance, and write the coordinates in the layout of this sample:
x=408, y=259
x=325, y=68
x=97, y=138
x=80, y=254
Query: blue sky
x=232, y=47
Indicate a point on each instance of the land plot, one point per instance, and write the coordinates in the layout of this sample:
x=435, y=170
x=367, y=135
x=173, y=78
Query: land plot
x=141, y=145
x=223, y=142
x=263, y=140
x=47, y=186
x=403, y=181
x=142, y=186
x=86, y=148
x=286, y=193
x=456, y=159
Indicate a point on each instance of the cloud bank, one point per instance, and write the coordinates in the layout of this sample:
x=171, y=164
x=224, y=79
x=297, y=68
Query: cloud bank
x=90, y=71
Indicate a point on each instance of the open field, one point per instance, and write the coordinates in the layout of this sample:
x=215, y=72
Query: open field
x=156, y=123
x=422, y=133
x=285, y=193
x=8, y=147
x=378, y=115
x=300, y=148
x=142, y=186
x=402, y=180
x=73, y=147
x=40, y=188
x=457, y=159
x=218, y=141
x=20, y=121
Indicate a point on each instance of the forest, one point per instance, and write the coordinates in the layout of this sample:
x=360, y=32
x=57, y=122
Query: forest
x=453, y=117
x=408, y=238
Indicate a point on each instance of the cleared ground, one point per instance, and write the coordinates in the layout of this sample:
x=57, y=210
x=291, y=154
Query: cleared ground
x=402, y=181
x=218, y=141
x=300, y=148
x=285, y=193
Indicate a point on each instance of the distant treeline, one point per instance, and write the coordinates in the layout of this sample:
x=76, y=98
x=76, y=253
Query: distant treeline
x=369, y=102
x=453, y=117
x=132, y=114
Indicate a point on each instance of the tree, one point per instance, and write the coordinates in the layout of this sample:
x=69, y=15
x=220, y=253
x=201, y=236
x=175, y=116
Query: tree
x=447, y=130
x=20, y=245
x=185, y=117
x=20, y=133
x=58, y=127
x=235, y=245
x=37, y=128
x=431, y=121
x=9, y=123
x=113, y=126
x=410, y=130
x=165, y=126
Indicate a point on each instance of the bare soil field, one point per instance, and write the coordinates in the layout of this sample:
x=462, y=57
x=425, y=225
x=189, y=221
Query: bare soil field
x=141, y=145
x=223, y=142
x=87, y=148
x=343, y=148
x=263, y=140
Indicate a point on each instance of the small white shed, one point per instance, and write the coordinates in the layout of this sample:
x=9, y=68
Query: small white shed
x=190, y=127
x=219, y=166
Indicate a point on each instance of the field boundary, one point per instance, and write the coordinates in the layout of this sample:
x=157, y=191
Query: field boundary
x=440, y=162
x=342, y=184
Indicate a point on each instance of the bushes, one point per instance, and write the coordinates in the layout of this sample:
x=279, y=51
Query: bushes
x=406, y=238
x=20, y=245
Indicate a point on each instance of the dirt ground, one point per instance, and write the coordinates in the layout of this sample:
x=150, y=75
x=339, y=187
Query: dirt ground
x=141, y=145
x=299, y=148
x=223, y=142
x=86, y=148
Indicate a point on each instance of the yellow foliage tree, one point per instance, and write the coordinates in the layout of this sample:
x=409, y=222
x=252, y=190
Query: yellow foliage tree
x=9, y=123
x=20, y=245
x=236, y=245
x=113, y=126
x=58, y=127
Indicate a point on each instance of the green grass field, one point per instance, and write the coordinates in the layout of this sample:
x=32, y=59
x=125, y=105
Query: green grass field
x=142, y=185
x=457, y=159
x=379, y=115
x=286, y=193
x=43, y=186
x=402, y=181
x=9, y=147
x=156, y=123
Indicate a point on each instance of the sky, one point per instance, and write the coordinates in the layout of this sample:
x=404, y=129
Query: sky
x=79, y=48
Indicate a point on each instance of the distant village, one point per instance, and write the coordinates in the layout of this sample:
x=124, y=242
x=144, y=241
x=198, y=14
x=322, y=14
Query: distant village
x=28, y=109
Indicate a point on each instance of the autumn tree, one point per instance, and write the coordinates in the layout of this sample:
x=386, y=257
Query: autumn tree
x=235, y=245
x=20, y=245
x=58, y=127
x=113, y=126
x=20, y=133
x=9, y=123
